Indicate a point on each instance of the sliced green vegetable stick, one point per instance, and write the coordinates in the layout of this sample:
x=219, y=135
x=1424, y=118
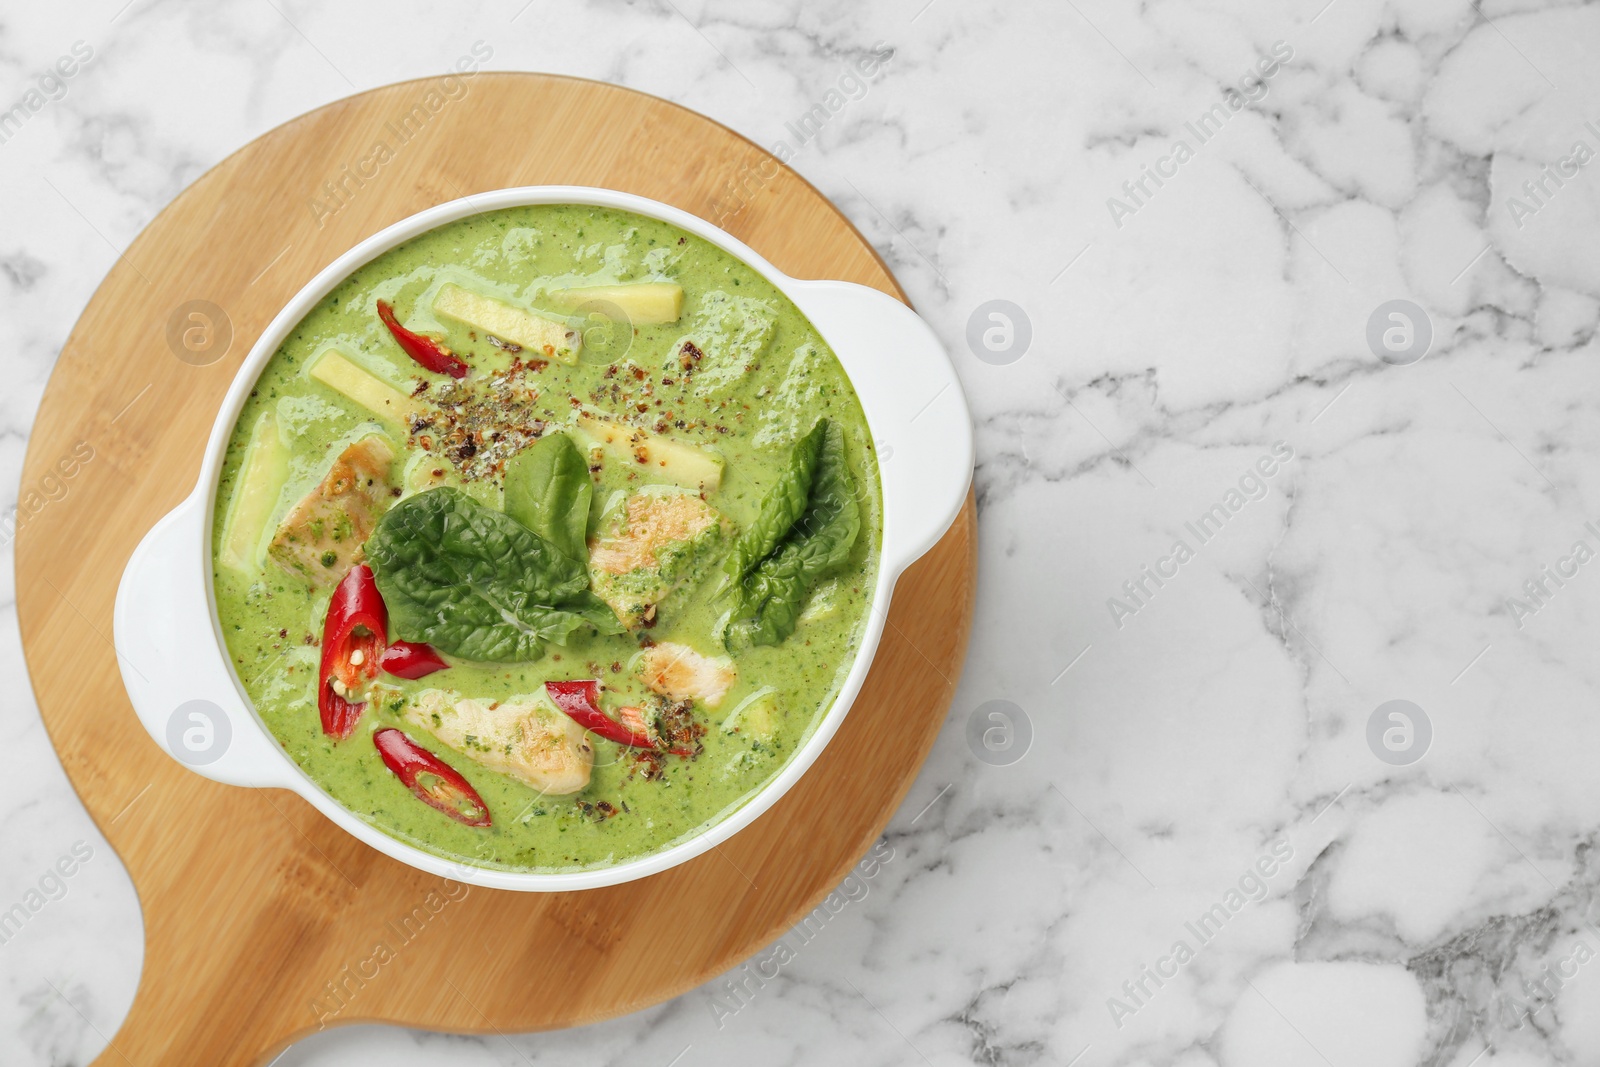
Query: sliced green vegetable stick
x=255, y=495
x=684, y=464
x=535, y=333
x=365, y=388
x=645, y=303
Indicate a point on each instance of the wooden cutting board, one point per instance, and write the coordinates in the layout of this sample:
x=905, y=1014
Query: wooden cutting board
x=253, y=903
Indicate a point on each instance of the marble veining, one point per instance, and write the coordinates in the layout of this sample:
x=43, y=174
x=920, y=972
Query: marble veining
x=1200, y=836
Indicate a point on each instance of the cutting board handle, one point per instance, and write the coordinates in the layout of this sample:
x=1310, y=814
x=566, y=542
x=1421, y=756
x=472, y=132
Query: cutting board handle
x=181, y=687
x=915, y=408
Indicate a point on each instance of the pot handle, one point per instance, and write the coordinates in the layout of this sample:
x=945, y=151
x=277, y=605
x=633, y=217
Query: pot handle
x=914, y=405
x=173, y=667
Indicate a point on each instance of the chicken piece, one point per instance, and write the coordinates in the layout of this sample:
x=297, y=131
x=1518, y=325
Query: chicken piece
x=654, y=521
x=633, y=718
x=654, y=550
x=323, y=534
x=678, y=672
x=524, y=737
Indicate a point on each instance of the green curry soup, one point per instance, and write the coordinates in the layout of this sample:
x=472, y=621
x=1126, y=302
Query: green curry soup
x=653, y=474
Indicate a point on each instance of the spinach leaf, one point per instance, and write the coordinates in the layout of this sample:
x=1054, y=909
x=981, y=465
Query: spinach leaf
x=773, y=595
x=548, y=490
x=781, y=508
x=476, y=583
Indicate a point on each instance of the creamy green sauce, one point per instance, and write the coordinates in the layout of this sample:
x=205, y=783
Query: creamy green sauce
x=747, y=408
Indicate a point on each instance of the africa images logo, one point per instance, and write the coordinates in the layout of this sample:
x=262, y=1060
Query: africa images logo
x=1206, y=126
x=1252, y=485
x=1249, y=888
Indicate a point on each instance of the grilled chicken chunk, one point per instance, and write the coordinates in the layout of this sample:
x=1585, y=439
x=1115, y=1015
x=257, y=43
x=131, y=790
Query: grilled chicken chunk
x=524, y=737
x=678, y=672
x=322, y=535
x=650, y=553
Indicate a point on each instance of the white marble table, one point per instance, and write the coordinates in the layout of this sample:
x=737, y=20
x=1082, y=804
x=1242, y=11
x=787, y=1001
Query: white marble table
x=1216, y=849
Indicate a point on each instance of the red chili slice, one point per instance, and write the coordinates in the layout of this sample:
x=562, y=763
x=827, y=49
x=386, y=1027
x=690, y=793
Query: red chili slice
x=580, y=700
x=420, y=347
x=412, y=659
x=431, y=779
x=353, y=638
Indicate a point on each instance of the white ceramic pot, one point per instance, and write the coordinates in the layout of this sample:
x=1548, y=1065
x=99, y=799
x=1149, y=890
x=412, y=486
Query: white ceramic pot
x=183, y=685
